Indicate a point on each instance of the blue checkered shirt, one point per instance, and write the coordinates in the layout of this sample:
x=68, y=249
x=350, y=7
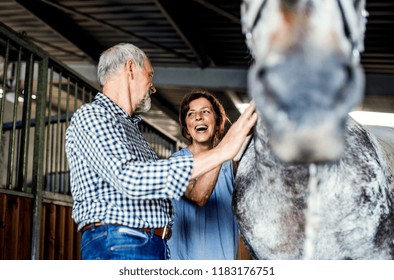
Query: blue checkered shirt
x=116, y=177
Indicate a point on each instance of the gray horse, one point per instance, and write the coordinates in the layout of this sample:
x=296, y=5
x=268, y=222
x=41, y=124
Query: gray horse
x=313, y=183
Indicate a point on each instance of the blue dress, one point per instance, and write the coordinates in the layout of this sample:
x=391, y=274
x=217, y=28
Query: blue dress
x=209, y=232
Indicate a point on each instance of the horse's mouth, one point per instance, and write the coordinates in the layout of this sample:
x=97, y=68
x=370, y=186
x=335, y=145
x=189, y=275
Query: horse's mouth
x=314, y=144
x=305, y=112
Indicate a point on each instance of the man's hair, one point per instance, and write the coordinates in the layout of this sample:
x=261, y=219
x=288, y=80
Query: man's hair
x=115, y=57
x=220, y=114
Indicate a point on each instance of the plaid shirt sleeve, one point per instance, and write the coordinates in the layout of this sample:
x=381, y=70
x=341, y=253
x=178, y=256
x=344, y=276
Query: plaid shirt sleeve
x=104, y=148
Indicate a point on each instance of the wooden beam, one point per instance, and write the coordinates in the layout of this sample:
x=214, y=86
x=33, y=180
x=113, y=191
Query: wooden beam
x=65, y=26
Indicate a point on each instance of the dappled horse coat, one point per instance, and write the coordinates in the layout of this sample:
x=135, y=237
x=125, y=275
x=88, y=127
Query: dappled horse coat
x=313, y=184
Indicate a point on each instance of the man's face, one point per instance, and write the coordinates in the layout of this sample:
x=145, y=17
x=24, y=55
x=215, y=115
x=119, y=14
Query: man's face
x=144, y=86
x=145, y=104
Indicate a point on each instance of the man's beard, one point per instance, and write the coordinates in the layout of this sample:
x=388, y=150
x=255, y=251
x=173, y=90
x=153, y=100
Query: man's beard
x=145, y=103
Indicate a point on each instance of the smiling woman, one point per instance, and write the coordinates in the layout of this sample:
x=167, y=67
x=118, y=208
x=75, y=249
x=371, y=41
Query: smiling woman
x=204, y=227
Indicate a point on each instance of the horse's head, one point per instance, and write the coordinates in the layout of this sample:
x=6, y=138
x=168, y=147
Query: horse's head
x=306, y=75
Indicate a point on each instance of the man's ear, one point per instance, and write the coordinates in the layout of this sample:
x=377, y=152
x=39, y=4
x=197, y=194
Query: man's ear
x=129, y=67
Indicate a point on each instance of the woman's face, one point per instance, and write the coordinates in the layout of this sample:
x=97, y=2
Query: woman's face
x=200, y=121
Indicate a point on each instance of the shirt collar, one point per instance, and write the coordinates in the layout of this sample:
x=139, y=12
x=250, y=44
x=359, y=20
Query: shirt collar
x=115, y=108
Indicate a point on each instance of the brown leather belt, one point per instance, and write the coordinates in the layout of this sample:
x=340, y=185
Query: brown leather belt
x=163, y=233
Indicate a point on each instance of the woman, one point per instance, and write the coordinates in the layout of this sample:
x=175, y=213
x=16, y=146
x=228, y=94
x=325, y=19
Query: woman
x=204, y=227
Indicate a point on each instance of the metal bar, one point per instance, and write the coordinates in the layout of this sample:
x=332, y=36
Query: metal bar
x=76, y=97
x=26, y=115
x=90, y=96
x=2, y=100
x=57, y=135
x=12, y=152
x=32, y=122
x=83, y=95
x=48, y=128
x=37, y=185
x=65, y=188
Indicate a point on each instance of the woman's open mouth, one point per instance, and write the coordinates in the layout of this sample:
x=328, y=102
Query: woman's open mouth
x=201, y=128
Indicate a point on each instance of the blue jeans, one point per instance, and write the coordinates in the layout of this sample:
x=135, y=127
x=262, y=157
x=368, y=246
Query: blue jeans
x=114, y=242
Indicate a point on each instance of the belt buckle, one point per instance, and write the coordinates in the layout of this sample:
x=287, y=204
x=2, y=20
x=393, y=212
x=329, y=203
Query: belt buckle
x=163, y=235
x=166, y=231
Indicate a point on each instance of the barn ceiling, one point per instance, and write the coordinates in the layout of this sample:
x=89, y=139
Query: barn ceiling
x=191, y=44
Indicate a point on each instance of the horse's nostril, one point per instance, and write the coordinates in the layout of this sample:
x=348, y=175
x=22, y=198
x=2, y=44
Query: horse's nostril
x=261, y=73
x=348, y=77
x=348, y=71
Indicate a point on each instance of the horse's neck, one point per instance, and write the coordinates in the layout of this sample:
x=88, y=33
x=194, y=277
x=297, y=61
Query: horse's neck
x=261, y=136
x=385, y=142
x=261, y=133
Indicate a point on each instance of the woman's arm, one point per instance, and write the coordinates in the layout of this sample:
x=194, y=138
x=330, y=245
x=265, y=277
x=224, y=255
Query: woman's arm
x=200, y=189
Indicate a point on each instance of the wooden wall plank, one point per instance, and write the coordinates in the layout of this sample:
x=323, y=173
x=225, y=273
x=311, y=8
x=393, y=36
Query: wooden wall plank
x=59, y=236
x=50, y=233
x=60, y=233
x=69, y=238
x=12, y=227
x=3, y=210
x=43, y=224
x=25, y=233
